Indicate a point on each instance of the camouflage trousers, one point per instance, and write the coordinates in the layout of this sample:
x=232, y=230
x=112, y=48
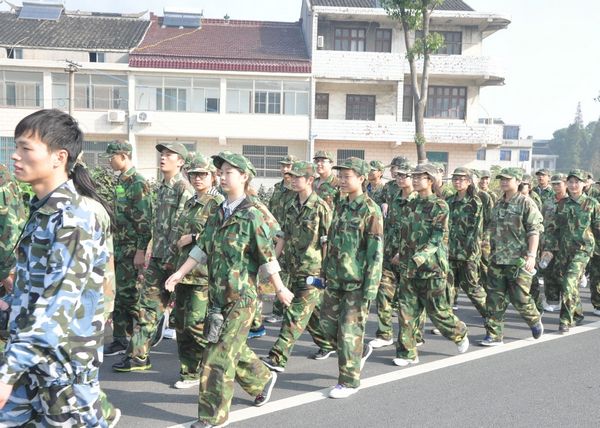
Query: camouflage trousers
x=228, y=360
x=71, y=405
x=384, y=301
x=570, y=270
x=465, y=274
x=126, y=299
x=484, y=262
x=303, y=313
x=551, y=282
x=594, y=270
x=419, y=326
x=343, y=318
x=257, y=318
x=153, y=301
x=191, y=303
x=277, y=305
x=414, y=295
x=509, y=284
x=536, y=294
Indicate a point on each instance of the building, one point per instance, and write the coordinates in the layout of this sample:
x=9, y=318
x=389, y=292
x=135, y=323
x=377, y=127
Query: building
x=514, y=151
x=543, y=156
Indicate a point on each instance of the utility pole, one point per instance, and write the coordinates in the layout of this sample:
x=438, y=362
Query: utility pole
x=72, y=68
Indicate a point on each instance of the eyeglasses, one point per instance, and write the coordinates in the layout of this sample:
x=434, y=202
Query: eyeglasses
x=193, y=175
x=417, y=177
x=460, y=178
x=401, y=175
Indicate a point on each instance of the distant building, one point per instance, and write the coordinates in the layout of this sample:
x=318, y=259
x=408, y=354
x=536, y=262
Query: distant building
x=543, y=157
x=514, y=151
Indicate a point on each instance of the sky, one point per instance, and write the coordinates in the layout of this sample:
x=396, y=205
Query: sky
x=549, y=50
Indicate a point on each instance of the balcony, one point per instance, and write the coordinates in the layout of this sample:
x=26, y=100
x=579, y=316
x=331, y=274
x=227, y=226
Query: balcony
x=355, y=130
x=486, y=70
x=328, y=64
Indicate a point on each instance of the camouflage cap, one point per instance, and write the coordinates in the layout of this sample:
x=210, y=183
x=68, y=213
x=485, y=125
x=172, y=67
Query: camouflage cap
x=526, y=179
x=440, y=166
x=235, y=159
x=542, y=171
x=376, y=165
x=302, y=169
x=119, y=146
x=405, y=168
x=4, y=174
x=359, y=166
x=484, y=173
x=579, y=174
x=200, y=163
x=461, y=170
x=174, y=147
x=322, y=154
x=558, y=178
x=288, y=160
x=510, y=173
x=398, y=161
x=426, y=168
x=590, y=176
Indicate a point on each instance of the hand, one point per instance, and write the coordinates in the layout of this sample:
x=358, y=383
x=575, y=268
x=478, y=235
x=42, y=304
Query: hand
x=7, y=283
x=384, y=209
x=3, y=305
x=395, y=260
x=184, y=240
x=139, y=259
x=529, y=263
x=172, y=281
x=5, y=391
x=285, y=296
x=547, y=255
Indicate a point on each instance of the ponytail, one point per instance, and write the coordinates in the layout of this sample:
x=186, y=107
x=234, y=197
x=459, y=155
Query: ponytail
x=85, y=187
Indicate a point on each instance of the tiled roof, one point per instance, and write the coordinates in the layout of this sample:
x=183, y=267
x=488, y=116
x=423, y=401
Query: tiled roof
x=447, y=5
x=225, y=45
x=72, y=32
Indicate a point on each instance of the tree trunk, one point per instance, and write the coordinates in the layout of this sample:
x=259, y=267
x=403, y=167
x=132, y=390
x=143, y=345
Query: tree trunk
x=420, y=131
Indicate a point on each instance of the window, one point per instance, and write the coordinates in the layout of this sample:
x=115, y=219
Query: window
x=295, y=98
x=20, y=89
x=383, y=40
x=205, y=95
x=481, y=154
x=92, y=153
x=239, y=96
x=322, y=106
x=510, y=132
x=349, y=39
x=505, y=155
x=440, y=157
x=7, y=147
x=447, y=102
x=407, y=104
x=452, y=43
x=343, y=154
x=523, y=155
x=360, y=107
x=92, y=92
x=265, y=159
x=97, y=57
x=267, y=97
x=178, y=94
x=14, y=53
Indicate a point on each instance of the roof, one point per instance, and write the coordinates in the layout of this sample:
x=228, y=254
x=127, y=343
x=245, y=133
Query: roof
x=95, y=32
x=225, y=45
x=447, y=5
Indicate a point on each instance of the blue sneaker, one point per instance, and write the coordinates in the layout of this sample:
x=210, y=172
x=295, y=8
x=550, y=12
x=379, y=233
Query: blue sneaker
x=257, y=332
x=537, y=330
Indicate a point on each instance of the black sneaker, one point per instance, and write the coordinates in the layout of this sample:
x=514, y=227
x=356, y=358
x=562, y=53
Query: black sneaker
x=563, y=329
x=132, y=364
x=160, y=332
x=272, y=365
x=537, y=329
x=263, y=398
x=322, y=354
x=116, y=347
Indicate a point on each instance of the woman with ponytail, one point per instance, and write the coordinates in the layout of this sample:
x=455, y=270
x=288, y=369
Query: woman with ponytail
x=49, y=370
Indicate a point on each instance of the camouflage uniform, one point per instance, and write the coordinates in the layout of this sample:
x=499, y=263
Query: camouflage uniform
x=513, y=221
x=12, y=220
x=572, y=235
x=306, y=227
x=376, y=192
x=545, y=195
x=327, y=189
x=57, y=317
x=353, y=270
x=550, y=274
x=423, y=236
x=487, y=204
x=390, y=191
x=133, y=213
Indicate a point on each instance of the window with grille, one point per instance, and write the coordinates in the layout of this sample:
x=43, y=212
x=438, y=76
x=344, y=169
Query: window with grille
x=438, y=157
x=265, y=159
x=343, y=154
x=452, y=42
x=350, y=39
x=360, y=107
x=383, y=40
x=446, y=102
x=92, y=151
x=7, y=147
x=407, y=104
x=322, y=106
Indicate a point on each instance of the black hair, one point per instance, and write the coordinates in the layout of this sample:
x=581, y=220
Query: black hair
x=59, y=131
x=471, y=189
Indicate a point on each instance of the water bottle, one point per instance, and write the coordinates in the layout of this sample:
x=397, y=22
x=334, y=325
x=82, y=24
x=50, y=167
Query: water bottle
x=545, y=261
x=315, y=281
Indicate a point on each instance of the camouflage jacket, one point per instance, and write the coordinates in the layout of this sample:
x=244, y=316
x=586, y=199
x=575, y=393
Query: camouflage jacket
x=376, y=192
x=538, y=201
x=466, y=225
x=355, y=247
x=575, y=227
x=594, y=192
x=57, y=317
x=545, y=195
x=133, y=214
x=446, y=191
x=328, y=190
x=12, y=220
x=280, y=200
x=170, y=202
x=487, y=205
x=492, y=195
x=424, y=238
x=548, y=211
x=192, y=221
x=390, y=191
x=512, y=223
x=236, y=251
x=306, y=227
x=271, y=222
x=391, y=230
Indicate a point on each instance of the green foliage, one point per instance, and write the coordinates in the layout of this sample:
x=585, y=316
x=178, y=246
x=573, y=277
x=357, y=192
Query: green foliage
x=264, y=194
x=105, y=181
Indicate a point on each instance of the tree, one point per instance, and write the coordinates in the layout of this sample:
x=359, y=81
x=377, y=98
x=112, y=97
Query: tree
x=415, y=17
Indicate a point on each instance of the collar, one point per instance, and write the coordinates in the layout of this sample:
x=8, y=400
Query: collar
x=234, y=204
x=55, y=200
x=170, y=183
x=127, y=174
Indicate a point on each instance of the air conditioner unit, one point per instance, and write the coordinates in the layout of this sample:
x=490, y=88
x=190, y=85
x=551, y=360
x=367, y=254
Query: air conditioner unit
x=116, y=116
x=144, y=117
x=320, y=42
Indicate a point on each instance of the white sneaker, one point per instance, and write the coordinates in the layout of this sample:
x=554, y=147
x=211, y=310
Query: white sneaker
x=273, y=319
x=403, y=362
x=380, y=343
x=583, y=283
x=436, y=332
x=367, y=351
x=186, y=383
x=170, y=333
x=463, y=345
x=548, y=307
x=341, y=391
x=596, y=312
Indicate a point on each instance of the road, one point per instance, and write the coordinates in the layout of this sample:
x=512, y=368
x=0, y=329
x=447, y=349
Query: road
x=553, y=381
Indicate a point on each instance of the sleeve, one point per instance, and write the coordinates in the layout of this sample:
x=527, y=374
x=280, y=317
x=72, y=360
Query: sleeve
x=374, y=256
x=264, y=250
x=596, y=228
x=142, y=214
x=324, y=223
x=10, y=227
x=184, y=195
x=550, y=237
x=532, y=218
x=439, y=228
x=476, y=227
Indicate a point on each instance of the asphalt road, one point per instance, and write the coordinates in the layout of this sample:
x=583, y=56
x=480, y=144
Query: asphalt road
x=551, y=382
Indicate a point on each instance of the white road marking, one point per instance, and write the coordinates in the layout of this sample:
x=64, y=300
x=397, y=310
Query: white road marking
x=311, y=397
